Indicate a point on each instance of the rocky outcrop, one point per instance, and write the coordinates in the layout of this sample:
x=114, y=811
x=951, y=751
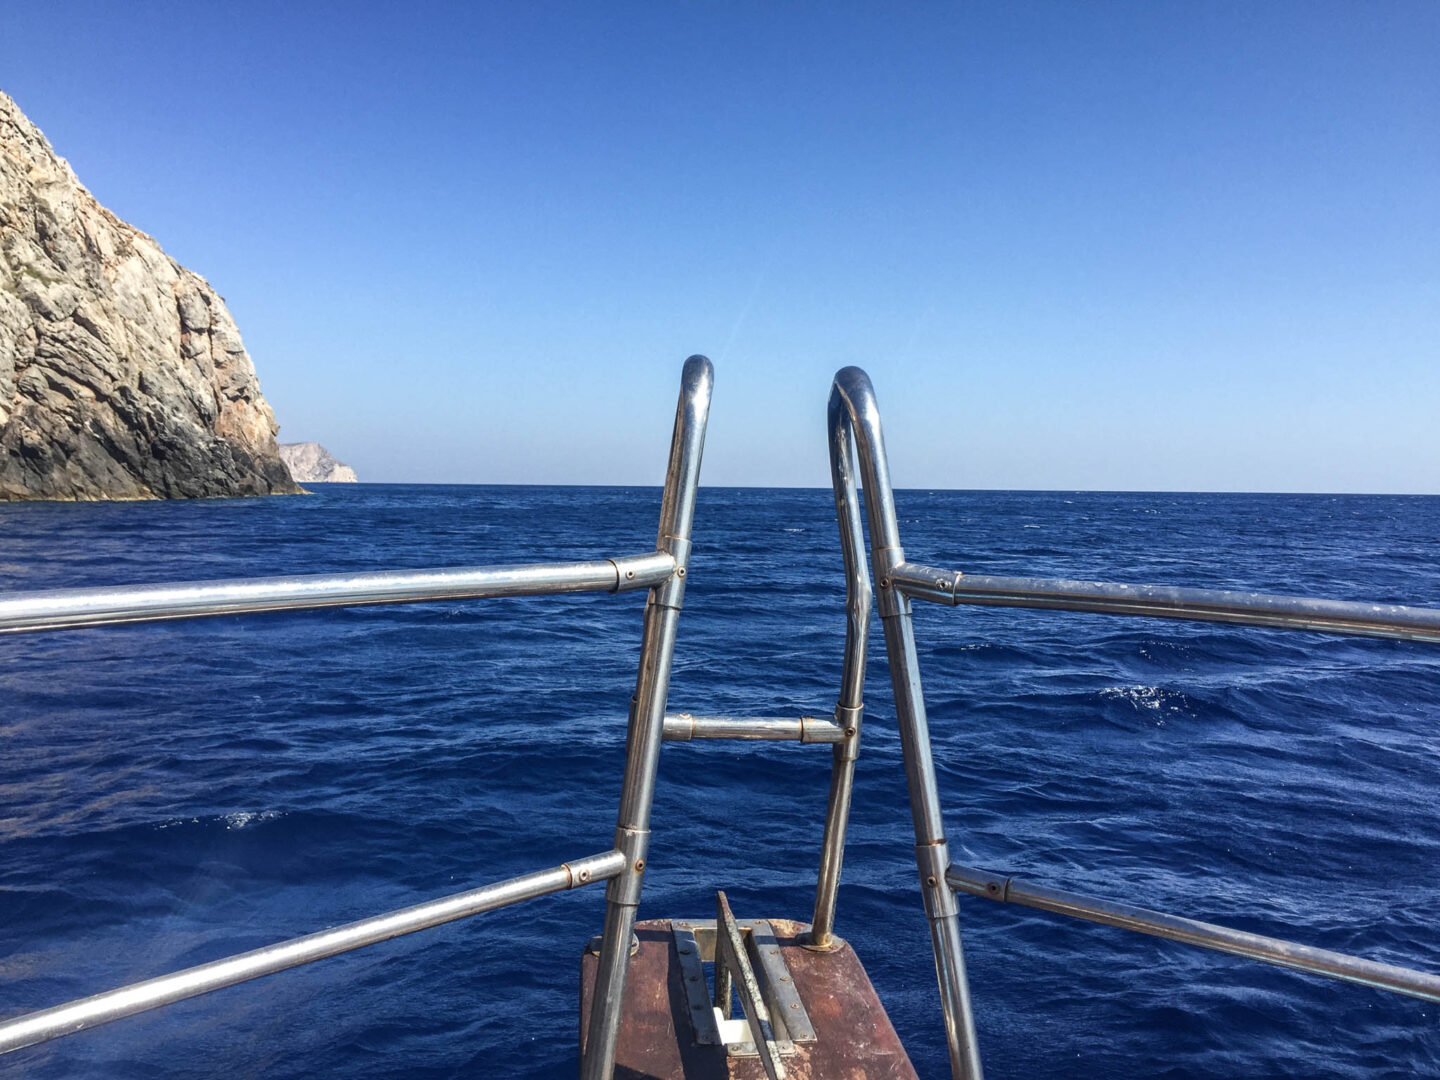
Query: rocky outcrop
x=311, y=463
x=122, y=375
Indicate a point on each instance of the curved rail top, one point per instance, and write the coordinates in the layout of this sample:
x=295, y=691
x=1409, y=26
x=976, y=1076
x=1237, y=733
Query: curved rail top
x=65, y=609
x=1166, y=602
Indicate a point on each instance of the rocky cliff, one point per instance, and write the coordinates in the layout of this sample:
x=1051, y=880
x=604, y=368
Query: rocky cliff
x=122, y=375
x=311, y=463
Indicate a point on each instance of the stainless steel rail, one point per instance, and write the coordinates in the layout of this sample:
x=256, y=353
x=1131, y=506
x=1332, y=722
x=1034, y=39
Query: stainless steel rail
x=1166, y=602
x=65, y=609
x=853, y=400
x=661, y=571
x=850, y=707
x=854, y=413
x=140, y=997
x=647, y=719
x=682, y=727
x=1271, y=950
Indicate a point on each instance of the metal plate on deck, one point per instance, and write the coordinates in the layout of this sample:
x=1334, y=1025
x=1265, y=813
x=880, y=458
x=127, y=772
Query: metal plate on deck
x=844, y=1031
x=695, y=943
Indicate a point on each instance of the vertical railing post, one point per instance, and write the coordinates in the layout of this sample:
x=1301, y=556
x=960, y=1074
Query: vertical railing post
x=647, y=718
x=853, y=393
x=849, y=709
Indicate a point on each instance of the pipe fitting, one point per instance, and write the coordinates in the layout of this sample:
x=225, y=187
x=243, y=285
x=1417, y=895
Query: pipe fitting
x=625, y=887
x=933, y=860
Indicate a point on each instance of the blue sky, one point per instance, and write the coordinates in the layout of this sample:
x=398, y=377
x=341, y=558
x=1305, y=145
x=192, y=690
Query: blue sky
x=1096, y=245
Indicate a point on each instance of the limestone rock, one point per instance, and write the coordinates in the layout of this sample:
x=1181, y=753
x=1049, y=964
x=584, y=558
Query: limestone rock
x=122, y=375
x=311, y=463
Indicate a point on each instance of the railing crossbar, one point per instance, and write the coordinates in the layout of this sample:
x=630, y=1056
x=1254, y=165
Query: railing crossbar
x=683, y=727
x=63, y=609
x=1270, y=950
x=89, y=1012
x=1162, y=601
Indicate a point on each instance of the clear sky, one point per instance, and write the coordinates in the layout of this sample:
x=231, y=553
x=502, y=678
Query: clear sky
x=1104, y=245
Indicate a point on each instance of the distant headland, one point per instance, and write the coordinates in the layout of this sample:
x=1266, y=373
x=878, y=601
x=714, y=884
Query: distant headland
x=122, y=374
x=311, y=463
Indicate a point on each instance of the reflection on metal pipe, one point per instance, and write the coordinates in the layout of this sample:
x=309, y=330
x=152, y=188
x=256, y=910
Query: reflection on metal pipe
x=140, y=997
x=850, y=708
x=853, y=399
x=1166, y=602
x=1206, y=935
x=63, y=609
x=647, y=717
x=682, y=727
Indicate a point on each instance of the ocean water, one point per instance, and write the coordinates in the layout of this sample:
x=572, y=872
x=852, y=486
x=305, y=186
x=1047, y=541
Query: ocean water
x=173, y=793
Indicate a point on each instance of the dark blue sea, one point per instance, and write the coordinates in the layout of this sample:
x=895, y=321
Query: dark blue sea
x=176, y=792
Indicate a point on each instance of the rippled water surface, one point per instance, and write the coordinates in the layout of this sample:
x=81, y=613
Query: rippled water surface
x=173, y=793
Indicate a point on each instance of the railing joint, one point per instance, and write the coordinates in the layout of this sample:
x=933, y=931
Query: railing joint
x=933, y=859
x=624, y=887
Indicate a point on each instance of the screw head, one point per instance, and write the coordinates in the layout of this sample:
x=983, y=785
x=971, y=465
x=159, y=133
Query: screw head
x=849, y=732
x=639, y=865
x=990, y=886
x=884, y=583
x=930, y=880
x=794, y=1004
x=630, y=574
x=584, y=875
x=680, y=572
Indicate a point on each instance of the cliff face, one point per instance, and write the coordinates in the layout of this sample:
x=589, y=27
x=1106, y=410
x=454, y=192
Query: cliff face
x=311, y=463
x=122, y=375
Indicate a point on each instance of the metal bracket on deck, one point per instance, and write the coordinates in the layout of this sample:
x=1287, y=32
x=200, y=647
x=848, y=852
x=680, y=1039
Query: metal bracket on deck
x=775, y=1017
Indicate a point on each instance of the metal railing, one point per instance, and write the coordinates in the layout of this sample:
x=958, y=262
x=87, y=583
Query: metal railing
x=855, y=433
x=857, y=456
x=662, y=571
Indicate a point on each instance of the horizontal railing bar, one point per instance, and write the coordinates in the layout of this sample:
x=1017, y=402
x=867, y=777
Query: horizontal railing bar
x=1271, y=950
x=71, y=608
x=682, y=727
x=37, y=1027
x=1166, y=602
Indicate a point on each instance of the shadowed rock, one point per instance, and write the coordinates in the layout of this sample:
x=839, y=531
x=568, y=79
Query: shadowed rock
x=122, y=375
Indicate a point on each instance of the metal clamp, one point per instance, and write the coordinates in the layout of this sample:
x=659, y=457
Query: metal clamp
x=933, y=860
x=624, y=888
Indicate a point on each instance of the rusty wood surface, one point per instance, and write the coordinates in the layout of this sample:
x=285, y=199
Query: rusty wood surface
x=855, y=1040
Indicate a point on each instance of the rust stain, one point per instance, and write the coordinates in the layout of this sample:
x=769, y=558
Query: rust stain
x=855, y=1039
